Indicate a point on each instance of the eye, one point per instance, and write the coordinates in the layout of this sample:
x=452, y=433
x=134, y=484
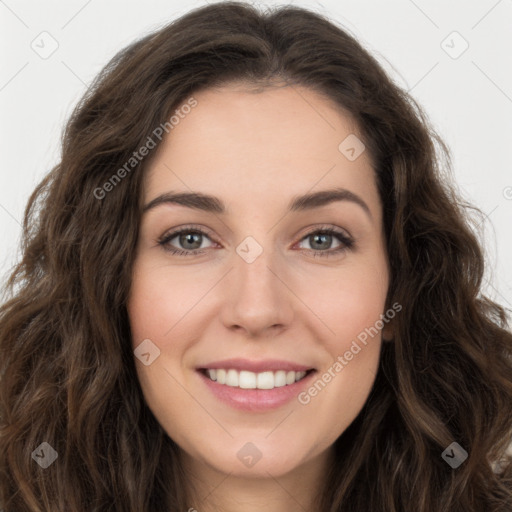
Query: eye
x=188, y=239
x=320, y=242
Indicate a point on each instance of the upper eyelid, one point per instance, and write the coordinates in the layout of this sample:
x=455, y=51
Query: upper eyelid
x=172, y=233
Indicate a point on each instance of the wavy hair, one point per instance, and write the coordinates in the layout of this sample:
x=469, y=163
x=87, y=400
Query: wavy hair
x=68, y=371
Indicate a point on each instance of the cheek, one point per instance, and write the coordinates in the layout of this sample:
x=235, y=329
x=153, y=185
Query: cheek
x=159, y=301
x=348, y=303
x=160, y=298
x=351, y=305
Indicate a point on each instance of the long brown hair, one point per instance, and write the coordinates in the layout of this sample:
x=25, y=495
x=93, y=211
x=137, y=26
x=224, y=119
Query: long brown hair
x=68, y=371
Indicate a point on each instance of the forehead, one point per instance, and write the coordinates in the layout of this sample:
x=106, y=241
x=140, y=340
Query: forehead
x=265, y=122
x=272, y=144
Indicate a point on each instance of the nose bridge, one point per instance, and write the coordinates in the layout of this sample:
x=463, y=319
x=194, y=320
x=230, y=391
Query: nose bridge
x=253, y=278
x=255, y=297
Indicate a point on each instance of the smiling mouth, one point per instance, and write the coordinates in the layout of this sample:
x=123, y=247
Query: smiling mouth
x=251, y=380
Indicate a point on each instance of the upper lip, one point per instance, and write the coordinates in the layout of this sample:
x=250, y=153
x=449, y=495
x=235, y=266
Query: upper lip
x=256, y=366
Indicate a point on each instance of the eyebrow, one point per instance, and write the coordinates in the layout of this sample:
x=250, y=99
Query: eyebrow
x=208, y=203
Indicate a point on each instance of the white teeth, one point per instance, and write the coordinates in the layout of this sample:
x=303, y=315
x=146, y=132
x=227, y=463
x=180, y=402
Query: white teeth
x=221, y=376
x=280, y=379
x=299, y=375
x=265, y=380
x=246, y=380
x=251, y=380
x=232, y=378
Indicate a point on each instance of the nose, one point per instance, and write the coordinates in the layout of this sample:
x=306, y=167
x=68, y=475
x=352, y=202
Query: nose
x=257, y=299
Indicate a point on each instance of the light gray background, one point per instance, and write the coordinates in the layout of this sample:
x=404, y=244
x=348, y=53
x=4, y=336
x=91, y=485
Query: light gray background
x=468, y=98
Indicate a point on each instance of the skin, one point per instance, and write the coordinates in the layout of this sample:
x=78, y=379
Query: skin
x=256, y=152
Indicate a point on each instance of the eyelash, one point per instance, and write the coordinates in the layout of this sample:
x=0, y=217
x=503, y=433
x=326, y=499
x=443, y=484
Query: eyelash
x=347, y=243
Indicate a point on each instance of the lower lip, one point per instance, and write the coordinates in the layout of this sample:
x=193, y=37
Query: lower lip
x=256, y=399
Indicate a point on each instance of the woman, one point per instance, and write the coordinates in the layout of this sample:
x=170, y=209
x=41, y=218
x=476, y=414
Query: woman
x=249, y=286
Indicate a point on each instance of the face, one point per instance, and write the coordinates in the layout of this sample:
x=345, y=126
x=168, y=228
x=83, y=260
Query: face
x=268, y=285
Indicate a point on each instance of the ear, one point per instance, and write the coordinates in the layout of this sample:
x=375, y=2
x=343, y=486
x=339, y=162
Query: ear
x=388, y=331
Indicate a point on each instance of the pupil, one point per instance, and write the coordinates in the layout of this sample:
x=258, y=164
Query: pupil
x=191, y=238
x=324, y=241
